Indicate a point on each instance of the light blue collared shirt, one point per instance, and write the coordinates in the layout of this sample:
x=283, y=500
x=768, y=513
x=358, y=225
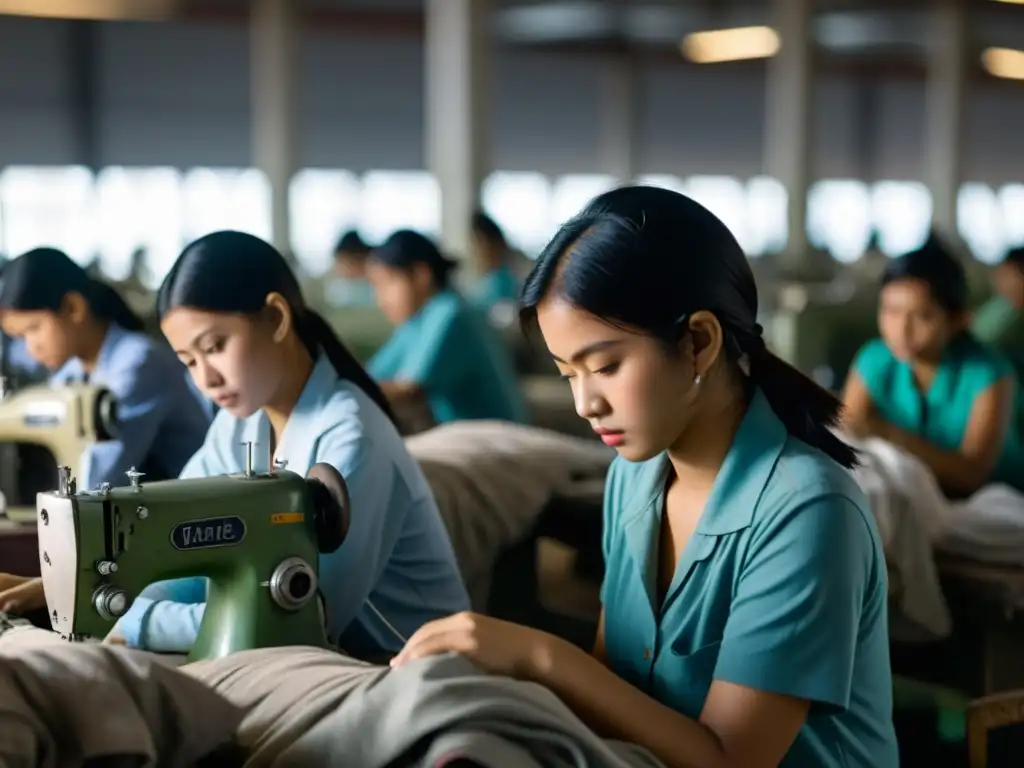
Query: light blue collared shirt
x=162, y=420
x=397, y=554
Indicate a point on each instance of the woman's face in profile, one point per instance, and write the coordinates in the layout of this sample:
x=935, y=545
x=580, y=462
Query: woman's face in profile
x=45, y=334
x=913, y=325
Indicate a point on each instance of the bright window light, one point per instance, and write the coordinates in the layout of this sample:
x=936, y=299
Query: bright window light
x=139, y=208
x=49, y=206
x=902, y=215
x=839, y=218
x=665, y=181
x=1006, y=63
x=572, y=192
x=731, y=44
x=725, y=197
x=226, y=198
x=521, y=204
x=980, y=222
x=323, y=205
x=399, y=200
x=767, y=215
x=1011, y=203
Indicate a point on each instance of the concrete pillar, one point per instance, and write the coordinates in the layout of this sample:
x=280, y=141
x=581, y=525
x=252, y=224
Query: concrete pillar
x=275, y=117
x=789, y=119
x=620, y=119
x=457, y=111
x=944, y=111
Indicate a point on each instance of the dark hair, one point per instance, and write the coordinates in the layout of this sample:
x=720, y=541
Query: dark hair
x=405, y=248
x=488, y=229
x=1015, y=256
x=936, y=266
x=233, y=272
x=41, y=278
x=648, y=258
x=352, y=243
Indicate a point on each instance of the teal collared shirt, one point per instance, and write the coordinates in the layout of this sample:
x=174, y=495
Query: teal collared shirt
x=941, y=415
x=782, y=588
x=450, y=351
x=397, y=560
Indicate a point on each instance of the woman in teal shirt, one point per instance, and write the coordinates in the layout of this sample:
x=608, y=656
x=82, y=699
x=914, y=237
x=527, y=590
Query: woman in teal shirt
x=744, y=605
x=928, y=385
x=442, y=348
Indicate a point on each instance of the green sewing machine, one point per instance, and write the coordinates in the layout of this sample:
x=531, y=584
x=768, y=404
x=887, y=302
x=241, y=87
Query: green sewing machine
x=256, y=537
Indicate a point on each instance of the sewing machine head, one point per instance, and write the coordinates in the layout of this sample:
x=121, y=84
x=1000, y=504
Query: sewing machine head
x=255, y=536
x=42, y=428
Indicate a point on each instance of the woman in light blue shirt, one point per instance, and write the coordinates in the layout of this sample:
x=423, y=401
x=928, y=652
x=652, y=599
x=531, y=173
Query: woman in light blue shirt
x=81, y=330
x=442, y=348
x=233, y=312
x=744, y=603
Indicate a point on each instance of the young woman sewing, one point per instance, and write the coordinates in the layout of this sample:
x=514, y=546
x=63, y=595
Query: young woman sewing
x=233, y=312
x=744, y=604
x=929, y=386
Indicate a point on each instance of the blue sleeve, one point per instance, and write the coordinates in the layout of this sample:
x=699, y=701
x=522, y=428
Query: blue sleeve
x=443, y=347
x=611, y=505
x=387, y=361
x=351, y=573
x=166, y=616
x=143, y=403
x=795, y=618
x=871, y=360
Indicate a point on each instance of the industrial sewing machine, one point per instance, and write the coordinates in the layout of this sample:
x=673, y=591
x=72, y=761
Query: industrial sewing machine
x=256, y=537
x=43, y=428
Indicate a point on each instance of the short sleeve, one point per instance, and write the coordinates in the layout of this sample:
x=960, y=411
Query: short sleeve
x=611, y=508
x=987, y=366
x=871, y=360
x=795, y=619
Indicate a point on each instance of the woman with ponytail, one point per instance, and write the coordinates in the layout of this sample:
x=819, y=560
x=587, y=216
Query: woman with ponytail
x=81, y=330
x=744, y=602
x=233, y=312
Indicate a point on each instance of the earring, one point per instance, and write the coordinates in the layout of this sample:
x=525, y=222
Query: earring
x=696, y=380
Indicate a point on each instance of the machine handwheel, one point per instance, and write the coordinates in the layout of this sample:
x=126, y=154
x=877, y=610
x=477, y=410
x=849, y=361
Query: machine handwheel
x=331, y=506
x=105, y=416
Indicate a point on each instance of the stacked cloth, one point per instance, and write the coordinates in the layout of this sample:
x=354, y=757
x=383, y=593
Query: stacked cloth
x=66, y=706
x=492, y=480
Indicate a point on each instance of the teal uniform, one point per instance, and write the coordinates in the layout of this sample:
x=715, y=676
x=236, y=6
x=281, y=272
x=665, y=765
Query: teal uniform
x=497, y=286
x=782, y=588
x=941, y=415
x=450, y=351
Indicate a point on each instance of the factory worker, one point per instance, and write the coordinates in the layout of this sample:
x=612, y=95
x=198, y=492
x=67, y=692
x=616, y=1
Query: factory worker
x=442, y=348
x=232, y=311
x=931, y=387
x=744, y=603
x=495, y=282
x=82, y=331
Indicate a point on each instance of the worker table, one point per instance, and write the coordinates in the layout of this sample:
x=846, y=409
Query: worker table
x=19, y=548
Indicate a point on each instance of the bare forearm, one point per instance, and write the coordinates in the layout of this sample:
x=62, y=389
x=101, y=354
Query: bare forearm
x=400, y=390
x=615, y=709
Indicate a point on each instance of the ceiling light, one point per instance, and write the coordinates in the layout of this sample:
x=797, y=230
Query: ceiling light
x=1004, y=62
x=731, y=44
x=100, y=10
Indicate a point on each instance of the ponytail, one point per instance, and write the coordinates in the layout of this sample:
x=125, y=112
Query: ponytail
x=808, y=410
x=107, y=304
x=318, y=335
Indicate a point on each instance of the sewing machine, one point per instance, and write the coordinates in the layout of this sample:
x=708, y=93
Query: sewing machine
x=42, y=428
x=256, y=537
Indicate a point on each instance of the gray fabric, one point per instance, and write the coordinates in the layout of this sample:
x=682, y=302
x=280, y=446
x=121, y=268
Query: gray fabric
x=68, y=705
x=312, y=708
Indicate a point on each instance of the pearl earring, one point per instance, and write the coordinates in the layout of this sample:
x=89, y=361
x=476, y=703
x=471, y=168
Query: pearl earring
x=696, y=380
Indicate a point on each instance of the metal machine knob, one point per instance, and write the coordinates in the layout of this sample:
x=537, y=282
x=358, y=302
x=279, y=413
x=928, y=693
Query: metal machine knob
x=293, y=583
x=105, y=417
x=110, y=602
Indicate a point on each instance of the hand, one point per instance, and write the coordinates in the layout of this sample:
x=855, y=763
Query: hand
x=21, y=594
x=878, y=427
x=113, y=639
x=497, y=646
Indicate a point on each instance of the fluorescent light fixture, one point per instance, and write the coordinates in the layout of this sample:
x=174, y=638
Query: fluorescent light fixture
x=1004, y=62
x=1011, y=2
x=99, y=10
x=731, y=44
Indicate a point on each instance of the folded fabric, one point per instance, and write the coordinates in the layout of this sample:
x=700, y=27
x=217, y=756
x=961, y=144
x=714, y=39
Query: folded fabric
x=65, y=705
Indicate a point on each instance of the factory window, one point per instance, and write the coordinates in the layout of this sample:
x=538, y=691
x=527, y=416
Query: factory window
x=1011, y=203
x=980, y=222
x=902, y=214
x=139, y=208
x=521, y=205
x=664, y=181
x=839, y=218
x=226, y=198
x=725, y=197
x=323, y=204
x=767, y=218
x=571, y=194
x=393, y=200
x=51, y=206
